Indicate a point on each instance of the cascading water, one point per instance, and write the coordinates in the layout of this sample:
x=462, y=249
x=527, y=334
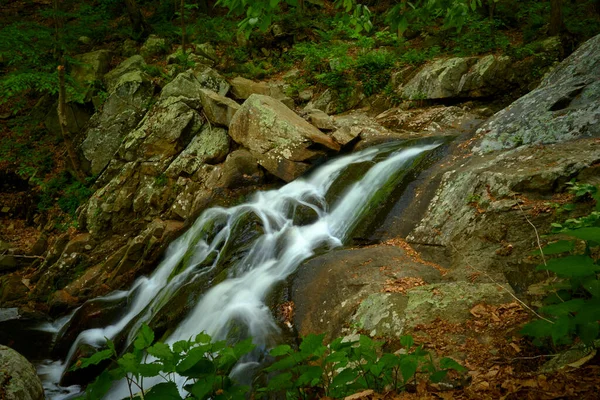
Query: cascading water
x=269, y=257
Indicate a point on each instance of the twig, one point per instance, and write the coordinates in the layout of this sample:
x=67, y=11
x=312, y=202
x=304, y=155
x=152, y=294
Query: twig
x=539, y=243
x=534, y=357
x=505, y=289
x=23, y=256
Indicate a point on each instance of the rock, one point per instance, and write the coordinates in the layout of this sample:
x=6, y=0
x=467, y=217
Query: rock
x=164, y=132
x=210, y=146
x=489, y=76
x=575, y=357
x=129, y=48
x=18, y=377
x=566, y=105
x=61, y=301
x=328, y=288
x=113, y=77
x=436, y=119
x=121, y=112
x=319, y=119
x=277, y=136
x=437, y=80
x=475, y=212
x=154, y=46
x=218, y=109
x=346, y=134
x=206, y=50
x=211, y=79
x=77, y=116
x=241, y=169
x=306, y=94
x=185, y=84
x=334, y=102
x=190, y=59
x=382, y=315
x=84, y=40
x=12, y=288
x=90, y=68
x=242, y=88
x=7, y=263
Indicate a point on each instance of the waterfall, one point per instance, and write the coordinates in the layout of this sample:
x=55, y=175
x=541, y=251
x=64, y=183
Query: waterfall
x=262, y=260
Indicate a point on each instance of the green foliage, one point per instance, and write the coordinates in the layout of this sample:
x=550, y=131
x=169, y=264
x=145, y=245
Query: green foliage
x=205, y=364
x=64, y=191
x=572, y=309
x=345, y=367
x=313, y=370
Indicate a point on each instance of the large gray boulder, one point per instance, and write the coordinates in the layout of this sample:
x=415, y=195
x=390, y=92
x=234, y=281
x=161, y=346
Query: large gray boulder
x=18, y=378
x=282, y=142
x=566, y=105
x=90, y=68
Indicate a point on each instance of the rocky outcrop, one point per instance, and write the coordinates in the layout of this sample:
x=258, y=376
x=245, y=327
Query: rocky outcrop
x=18, y=378
x=128, y=100
x=90, y=68
x=566, y=105
x=282, y=142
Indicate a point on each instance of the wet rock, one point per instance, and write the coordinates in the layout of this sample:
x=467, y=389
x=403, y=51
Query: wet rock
x=153, y=46
x=566, y=105
x=12, y=288
x=218, y=109
x=18, y=378
x=61, y=301
x=278, y=137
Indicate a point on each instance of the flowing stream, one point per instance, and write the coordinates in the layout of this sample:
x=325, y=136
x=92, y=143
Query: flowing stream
x=251, y=265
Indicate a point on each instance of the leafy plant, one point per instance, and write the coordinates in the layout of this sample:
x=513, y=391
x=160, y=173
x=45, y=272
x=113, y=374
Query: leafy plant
x=572, y=309
x=313, y=370
x=345, y=367
x=205, y=365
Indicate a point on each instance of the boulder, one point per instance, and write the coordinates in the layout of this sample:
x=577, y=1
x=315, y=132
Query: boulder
x=154, y=46
x=438, y=80
x=242, y=88
x=90, y=68
x=112, y=78
x=320, y=119
x=211, y=79
x=208, y=51
x=185, y=84
x=280, y=139
x=18, y=378
x=328, y=289
x=123, y=109
x=241, y=169
x=335, y=102
x=218, y=109
x=566, y=105
x=210, y=146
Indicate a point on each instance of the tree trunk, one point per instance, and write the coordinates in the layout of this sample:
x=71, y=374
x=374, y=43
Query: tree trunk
x=138, y=23
x=183, y=26
x=556, y=17
x=62, y=121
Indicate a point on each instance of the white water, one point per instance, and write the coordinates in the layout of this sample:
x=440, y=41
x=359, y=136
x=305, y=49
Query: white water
x=271, y=258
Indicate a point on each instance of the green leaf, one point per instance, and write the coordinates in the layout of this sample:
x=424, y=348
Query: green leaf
x=149, y=370
x=449, y=363
x=129, y=363
x=588, y=332
x=244, y=347
x=564, y=308
x=538, y=328
x=313, y=345
x=281, y=350
x=343, y=378
x=438, y=376
x=281, y=382
x=181, y=346
x=95, y=359
x=163, y=391
x=161, y=351
x=408, y=367
x=201, y=368
x=203, y=338
x=202, y=389
x=571, y=266
x=561, y=246
x=101, y=386
x=592, y=285
x=591, y=234
x=144, y=338
x=311, y=376
x=560, y=330
x=407, y=341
